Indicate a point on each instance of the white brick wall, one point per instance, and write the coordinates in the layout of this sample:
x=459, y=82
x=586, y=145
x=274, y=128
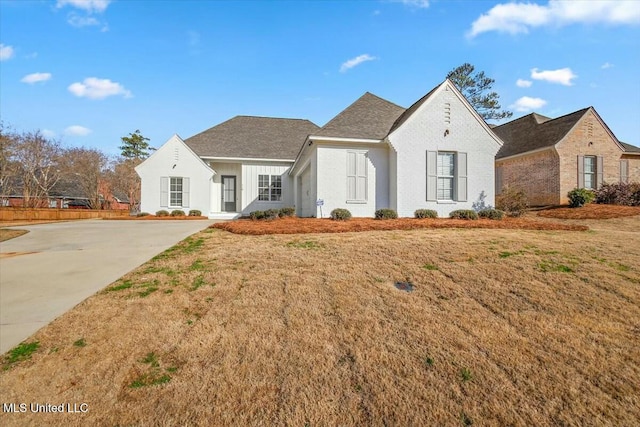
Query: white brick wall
x=425, y=130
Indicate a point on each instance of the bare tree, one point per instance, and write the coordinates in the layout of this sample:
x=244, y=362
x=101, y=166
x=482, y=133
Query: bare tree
x=37, y=166
x=7, y=163
x=124, y=179
x=86, y=168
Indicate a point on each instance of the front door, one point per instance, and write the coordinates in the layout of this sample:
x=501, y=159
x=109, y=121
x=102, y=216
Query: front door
x=228, y=193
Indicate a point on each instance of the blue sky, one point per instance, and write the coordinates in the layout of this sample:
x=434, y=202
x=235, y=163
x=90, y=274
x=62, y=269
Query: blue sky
x=88, y=72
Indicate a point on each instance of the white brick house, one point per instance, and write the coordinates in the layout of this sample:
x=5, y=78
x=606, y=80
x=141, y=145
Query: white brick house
x=437, y=154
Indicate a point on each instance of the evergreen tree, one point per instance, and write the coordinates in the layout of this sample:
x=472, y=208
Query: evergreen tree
x=476, y=87
x=135, y=146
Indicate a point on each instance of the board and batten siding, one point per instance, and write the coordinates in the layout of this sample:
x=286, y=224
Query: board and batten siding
x=443, y=123
x=250, y=172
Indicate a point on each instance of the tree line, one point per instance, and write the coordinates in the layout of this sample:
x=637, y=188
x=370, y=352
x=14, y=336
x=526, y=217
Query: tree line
x=35, y=168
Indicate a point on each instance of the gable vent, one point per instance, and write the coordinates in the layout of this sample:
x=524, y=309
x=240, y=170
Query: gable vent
x=590, y=129
x=447, y=113
x=176, y=154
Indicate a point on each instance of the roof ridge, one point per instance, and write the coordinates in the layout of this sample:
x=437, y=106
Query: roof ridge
x=582, y=110
x=267, y=117
x=383, y=99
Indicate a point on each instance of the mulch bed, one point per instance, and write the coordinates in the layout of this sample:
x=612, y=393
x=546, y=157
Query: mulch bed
x=156, y=218
x=315, y=225
x=590, y=211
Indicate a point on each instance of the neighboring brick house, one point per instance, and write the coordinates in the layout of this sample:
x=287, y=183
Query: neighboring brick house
x=547, y=158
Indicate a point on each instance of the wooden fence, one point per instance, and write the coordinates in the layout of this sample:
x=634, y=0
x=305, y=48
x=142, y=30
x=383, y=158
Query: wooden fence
x=50, y=214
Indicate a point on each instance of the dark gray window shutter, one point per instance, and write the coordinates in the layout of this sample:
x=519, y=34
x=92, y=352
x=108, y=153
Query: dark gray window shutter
x=432, y=175
x=599, y=171
x=185, y=192
x=499, y=180
x=164, y=191
x=461, y=177
x=580, y=171
x=624, y=171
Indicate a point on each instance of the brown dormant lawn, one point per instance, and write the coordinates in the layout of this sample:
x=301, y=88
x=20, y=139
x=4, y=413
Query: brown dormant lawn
x=504, y=327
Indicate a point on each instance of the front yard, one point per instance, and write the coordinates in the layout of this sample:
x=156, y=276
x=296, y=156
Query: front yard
x=503, y=327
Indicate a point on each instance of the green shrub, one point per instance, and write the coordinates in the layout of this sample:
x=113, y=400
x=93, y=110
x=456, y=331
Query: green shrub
x=177, y=212
x=578, y=197
x=463, y=214
x=287, y=212
x=141, y=214
x=340, y=214
x=162, y=213
x=256, y=215
x=386, y=214
x=425, y=213
x=270, y=214
x=195, y=212
x=513, y=202
x=491, y=214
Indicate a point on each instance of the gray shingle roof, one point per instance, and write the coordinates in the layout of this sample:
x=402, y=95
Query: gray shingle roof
x=533, y=131
x=253, y=137
x=628, y=148
x=369, y=117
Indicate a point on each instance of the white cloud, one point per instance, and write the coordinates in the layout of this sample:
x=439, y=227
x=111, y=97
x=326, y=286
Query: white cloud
x=36, y=77
x=77, y=130
x=523, y=83
x=514, y=18
x=89, y=6
x=356, y=61
x=76, y=20
x=527, y=103
x=94, y=88
x=420, y=4
x=606, y=65
x=561, y=76
x=6, y=52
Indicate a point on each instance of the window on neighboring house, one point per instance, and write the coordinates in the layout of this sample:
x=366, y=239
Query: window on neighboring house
x=53, y=203
x=356, y=176
x=446, y=176
x=270, y=188
x=590, y=172
x=175, y=191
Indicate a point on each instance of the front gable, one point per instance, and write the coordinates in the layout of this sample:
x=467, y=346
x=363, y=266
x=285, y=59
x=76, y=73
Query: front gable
x=442, y=124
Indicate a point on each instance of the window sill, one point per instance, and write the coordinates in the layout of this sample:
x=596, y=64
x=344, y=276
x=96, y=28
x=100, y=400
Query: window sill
x=356, y=202
x=446, y=202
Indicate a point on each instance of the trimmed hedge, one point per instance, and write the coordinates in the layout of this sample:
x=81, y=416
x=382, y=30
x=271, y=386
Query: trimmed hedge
x=287, y=212
x=578, y=197
x=340, y=214
x=496, y=214
x=162, y=213
x=463, y=214
x=141, y=214
x=177, y=212
x=425, y=213
x=195, y=212
x=386, y=214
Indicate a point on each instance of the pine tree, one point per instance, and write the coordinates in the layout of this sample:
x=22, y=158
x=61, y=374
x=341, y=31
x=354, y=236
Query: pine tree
x=135, y=146
x=474, y=86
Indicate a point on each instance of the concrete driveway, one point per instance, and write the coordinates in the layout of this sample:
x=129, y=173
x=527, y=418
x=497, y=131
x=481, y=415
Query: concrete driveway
x=49, y=270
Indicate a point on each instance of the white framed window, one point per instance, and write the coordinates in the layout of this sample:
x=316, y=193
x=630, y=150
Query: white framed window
x=270, y=188
x=446, y=176
x=356, y=176
x=175, y=192
x=590, y=172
